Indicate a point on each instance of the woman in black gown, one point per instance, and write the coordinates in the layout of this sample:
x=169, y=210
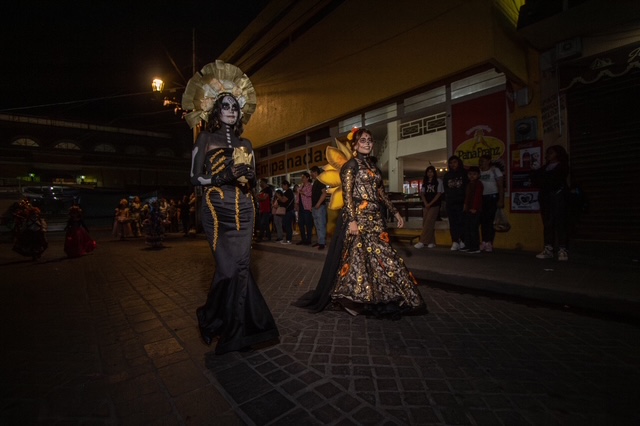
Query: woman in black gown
x=235, y=311
x=363, y=273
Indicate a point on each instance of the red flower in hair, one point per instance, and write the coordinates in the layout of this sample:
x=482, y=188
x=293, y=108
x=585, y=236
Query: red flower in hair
x=352, y=133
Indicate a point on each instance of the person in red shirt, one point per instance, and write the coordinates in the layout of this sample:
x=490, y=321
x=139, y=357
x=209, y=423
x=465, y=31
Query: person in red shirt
x=471, y=211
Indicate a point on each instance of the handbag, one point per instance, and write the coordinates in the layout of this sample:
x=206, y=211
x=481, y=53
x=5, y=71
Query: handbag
x=280, y=211
x=500, y=222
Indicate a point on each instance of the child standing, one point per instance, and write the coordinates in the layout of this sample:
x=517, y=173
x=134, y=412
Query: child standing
x=471, y=211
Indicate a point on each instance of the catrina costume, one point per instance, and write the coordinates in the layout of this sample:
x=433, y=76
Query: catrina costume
x=222, y=164
x=77, y=240
x=362, y=273
x=30, y=230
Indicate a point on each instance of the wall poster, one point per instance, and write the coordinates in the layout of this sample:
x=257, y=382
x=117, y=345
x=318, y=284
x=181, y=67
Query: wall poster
x=525, y=157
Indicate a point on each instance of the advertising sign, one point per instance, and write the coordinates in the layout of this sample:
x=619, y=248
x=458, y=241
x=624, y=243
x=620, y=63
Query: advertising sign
x=525, y=157
x=479, y=127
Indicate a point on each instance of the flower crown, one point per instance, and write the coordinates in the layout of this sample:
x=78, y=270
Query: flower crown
x=352, y=133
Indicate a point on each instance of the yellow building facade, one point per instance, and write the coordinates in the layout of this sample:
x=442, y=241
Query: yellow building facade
x=320, y=67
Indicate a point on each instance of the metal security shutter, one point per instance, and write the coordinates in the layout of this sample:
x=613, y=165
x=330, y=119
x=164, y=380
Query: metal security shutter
x=604, y=134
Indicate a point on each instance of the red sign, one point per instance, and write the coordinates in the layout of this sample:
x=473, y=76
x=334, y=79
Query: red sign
x=479, y=128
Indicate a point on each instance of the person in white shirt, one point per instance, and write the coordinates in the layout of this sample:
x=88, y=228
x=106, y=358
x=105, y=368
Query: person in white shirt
x=492, y=199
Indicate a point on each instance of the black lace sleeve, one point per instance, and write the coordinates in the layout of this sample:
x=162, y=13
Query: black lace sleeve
x=382, y=195
x=348, y=177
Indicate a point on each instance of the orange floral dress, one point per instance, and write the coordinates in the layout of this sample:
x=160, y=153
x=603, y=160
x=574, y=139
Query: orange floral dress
x=372, y=277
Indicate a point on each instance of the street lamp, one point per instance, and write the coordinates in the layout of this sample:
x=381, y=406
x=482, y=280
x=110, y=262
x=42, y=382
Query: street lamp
x=157, y=85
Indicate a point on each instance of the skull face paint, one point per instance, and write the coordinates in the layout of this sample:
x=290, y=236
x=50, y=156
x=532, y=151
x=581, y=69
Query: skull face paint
x=229, y=110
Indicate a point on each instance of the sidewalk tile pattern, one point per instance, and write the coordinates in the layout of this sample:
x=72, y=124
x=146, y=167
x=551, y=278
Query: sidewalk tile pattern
x=111, y=339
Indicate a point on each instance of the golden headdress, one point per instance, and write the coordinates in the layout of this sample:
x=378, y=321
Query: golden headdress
x=215, y=79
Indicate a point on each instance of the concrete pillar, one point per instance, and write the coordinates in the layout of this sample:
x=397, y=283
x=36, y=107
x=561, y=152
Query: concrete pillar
x=396, y=167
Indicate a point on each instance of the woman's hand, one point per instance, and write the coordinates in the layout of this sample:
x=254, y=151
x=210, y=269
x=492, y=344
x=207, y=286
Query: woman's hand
x=400, y=220
x=353, y=227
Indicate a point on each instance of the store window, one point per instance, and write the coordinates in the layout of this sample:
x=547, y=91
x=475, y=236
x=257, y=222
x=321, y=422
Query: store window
x=477, y=83
x=380, y=114
x=345, y=126
x=424, y=100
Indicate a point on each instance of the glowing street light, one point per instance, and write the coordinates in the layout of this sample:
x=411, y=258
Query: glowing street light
x=157, y=85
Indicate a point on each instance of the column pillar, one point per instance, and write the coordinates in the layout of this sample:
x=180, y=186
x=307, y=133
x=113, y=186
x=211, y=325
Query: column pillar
x=396, y=165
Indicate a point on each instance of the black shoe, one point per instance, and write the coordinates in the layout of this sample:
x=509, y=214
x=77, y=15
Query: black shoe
x=315, y=245
x=320, y=246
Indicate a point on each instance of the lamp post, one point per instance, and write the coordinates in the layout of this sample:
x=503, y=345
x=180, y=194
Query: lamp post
x=158, y=87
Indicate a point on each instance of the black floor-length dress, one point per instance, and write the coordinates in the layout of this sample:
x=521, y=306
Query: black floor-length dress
x=235, y=311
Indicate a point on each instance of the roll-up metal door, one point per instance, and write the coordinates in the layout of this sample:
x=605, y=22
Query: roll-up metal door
x=604, y=138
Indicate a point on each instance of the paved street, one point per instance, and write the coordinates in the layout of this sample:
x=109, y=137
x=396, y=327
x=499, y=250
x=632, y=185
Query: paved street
x=111, y=339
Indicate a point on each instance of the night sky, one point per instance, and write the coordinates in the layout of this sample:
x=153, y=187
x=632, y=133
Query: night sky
x=107, y=52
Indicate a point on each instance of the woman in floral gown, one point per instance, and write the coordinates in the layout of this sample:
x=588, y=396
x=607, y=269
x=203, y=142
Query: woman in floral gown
x=363, y=273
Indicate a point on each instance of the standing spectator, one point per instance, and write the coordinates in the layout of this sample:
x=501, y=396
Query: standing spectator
x=136, y=223
x=122, y=222
x=296, y=206
x=455, y=183
x=193, y=202
x=277, y=217
x=264, y=210
x=172, y=216
x=492, y=199
x=319, y=208
x=287, y=200
x=430, y=194
x=305, y=218
x=163, y=207
x=184, y=214
x=553, y=197
x=472, y=209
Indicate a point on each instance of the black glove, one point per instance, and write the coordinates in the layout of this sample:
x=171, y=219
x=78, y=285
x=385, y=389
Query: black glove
x=251, y=174
x=231, y=174
x=241, y=170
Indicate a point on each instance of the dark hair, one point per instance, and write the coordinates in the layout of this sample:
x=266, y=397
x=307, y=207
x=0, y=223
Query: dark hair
x=316, y=169
x=264, y=180
x=214, y=119
x=455, y=157
x=425, y=179
x=286, y=182
x=474, y=169
x=306, y=174
x=485, y=157
x=561, y=153
x=357, y=136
